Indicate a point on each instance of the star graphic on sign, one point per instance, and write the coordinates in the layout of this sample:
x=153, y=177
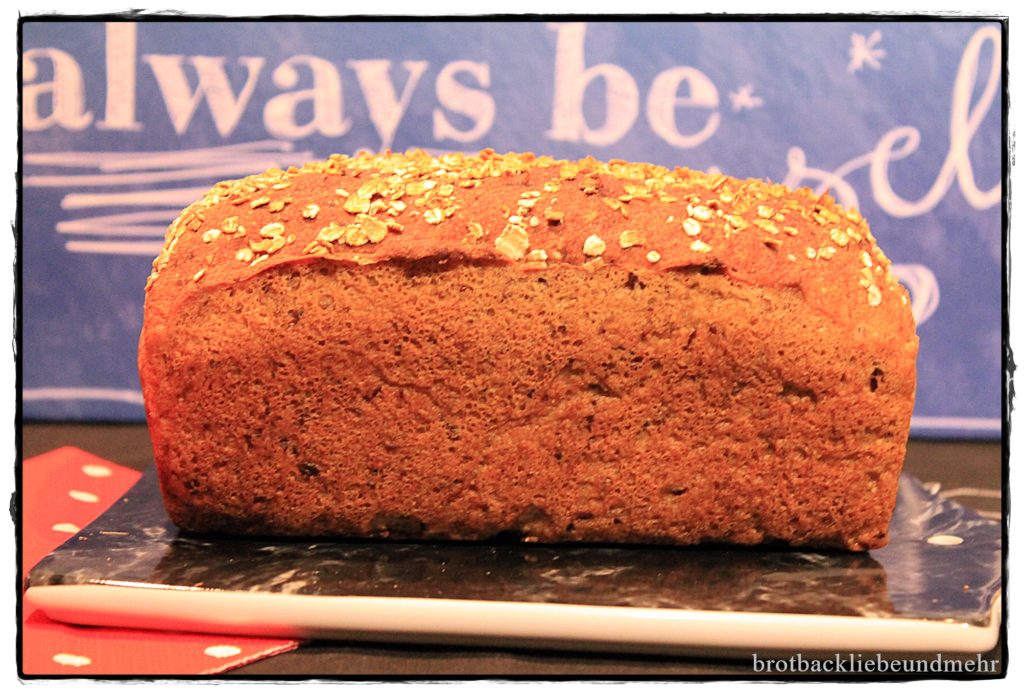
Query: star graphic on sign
x=744, y=99
x=864, y=50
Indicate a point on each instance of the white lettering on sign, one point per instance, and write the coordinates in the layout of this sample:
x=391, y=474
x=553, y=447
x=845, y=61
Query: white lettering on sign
x=799, y=173
x=900, y=142
x=213, y=85
x=663, y=100
x=923, y=287
x=386, y=110
x=464, y=110
x=622, y=97
x=963, y=124
x=325, y=95
x=475, y=104
x=572, y=77
x=121, y=63
x=66, y=92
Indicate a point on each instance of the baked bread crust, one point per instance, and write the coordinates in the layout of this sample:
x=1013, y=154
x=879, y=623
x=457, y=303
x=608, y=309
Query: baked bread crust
x=463, y=346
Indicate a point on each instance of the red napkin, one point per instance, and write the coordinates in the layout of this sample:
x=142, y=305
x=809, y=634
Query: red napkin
x=63, y=491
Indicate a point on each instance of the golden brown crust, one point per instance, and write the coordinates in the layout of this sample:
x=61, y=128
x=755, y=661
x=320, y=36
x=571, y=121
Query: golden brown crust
x=660, y=356
x=534, y=212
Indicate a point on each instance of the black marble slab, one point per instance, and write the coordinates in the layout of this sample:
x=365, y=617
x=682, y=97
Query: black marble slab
x=912, y=577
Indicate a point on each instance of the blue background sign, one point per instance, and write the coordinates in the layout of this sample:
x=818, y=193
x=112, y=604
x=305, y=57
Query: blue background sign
x=125, y=123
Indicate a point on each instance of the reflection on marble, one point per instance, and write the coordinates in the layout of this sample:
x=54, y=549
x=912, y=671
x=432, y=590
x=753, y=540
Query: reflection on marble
x=910, y=578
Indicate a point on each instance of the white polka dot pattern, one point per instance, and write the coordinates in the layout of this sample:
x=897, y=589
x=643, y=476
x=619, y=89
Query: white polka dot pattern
x=83, y=496
x=221, y=651
x=71, y=660
x=68, y=527
x=96, y=470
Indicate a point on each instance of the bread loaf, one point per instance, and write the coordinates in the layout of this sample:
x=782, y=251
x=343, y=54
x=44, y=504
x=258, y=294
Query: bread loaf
x=477, y=346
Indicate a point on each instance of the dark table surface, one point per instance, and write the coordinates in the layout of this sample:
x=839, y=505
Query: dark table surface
x=969, y=472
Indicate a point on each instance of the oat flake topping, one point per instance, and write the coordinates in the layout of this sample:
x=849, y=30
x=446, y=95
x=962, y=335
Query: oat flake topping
x=535, y=211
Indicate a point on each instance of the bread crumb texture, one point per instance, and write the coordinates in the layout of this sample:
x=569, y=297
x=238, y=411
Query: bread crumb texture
x=461, y=347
